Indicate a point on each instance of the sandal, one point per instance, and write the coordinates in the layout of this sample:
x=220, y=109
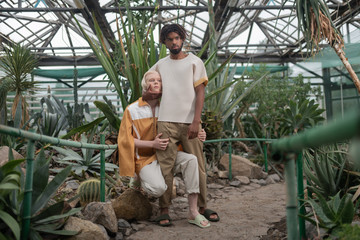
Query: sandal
x=208, y=212
x=197, y=221
x=161, y=218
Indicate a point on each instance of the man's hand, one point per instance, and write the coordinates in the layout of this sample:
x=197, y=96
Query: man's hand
x=193, y=130
x=159, y=143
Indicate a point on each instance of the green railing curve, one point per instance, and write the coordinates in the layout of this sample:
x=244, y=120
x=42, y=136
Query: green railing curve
x=289, y=148
x=32, y=137
x=230, y=140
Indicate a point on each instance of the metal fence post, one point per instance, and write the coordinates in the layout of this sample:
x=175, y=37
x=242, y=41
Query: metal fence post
x=291, y=203
x=102, y=169
x=300, y=185
x=265, y=157
x=28, y=190
x=230, y=161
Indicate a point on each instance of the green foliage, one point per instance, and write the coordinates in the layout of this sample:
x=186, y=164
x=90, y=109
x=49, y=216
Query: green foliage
x=52, y=119
x=299, y=116
x=89, y=191
x=4, y=89
x=259, y=110
x=9, y=181
x=327, y=170
x=331, y=214
x=109, y=113
x=44, y=218
x=17, y=64
x=87, y=162
x=134, y=54
x=346, y=232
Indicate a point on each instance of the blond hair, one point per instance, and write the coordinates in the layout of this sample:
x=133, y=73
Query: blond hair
x=144, y=83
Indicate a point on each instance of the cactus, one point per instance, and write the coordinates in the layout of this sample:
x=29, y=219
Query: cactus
x=89, y=191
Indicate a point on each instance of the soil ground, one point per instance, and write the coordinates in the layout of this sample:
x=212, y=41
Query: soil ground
x=247, y=213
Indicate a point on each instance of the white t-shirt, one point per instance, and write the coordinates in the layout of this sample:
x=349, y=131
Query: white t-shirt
x=179, y=79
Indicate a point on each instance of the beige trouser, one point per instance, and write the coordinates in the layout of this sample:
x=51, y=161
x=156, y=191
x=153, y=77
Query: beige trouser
x=152, y=180
x=177, y=133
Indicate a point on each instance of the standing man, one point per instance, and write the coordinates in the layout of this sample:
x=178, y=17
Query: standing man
x=183, y=80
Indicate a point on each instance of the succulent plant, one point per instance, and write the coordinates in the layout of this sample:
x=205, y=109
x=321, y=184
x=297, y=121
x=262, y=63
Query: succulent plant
x=89, y=191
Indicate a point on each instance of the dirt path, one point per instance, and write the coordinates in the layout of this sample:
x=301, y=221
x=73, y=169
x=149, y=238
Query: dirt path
x=246, y=213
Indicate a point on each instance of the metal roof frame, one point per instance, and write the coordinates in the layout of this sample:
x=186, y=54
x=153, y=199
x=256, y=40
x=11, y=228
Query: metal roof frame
x=256, y=29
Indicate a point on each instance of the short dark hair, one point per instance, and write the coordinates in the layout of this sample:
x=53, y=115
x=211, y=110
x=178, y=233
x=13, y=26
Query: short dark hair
x=169, y=28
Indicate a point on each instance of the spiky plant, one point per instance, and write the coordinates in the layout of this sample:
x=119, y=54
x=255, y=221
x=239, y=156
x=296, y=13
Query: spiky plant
x=17, y=63
x=315, y=23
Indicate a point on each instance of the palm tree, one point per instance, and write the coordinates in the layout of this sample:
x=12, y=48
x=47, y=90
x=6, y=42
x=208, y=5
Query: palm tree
x=17, y=63
x=315, y=22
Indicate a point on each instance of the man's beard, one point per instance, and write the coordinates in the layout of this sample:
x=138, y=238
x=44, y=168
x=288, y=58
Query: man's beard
x=176, y=51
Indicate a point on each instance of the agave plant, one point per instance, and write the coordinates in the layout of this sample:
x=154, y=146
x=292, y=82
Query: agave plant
x=331, y=214
x=328, y=171
x=85, y=162
x=44, y=218
x=17, y=64
x=299, y=116
x=9, y=181
x=315, y=23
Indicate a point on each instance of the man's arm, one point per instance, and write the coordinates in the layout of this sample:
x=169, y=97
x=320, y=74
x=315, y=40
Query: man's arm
x=199, y=103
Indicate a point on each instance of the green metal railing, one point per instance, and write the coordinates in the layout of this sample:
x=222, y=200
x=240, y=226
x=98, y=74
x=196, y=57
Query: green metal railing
x=32, y=137
x=288, y=149
x=230, y=140
x=283, y=150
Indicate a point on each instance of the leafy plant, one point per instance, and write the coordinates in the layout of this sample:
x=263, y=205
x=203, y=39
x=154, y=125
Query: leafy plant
x=134, y=53
x=346, y=232
x=9, y=181
x=17, y=64
x=328, y=171
x=258, y=114
x=44, y=218
x=299, y=116
x=85, y=162
x=109, y=113
x=330, y=214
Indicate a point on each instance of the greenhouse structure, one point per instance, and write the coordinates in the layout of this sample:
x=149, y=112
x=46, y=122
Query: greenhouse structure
x=281, y=99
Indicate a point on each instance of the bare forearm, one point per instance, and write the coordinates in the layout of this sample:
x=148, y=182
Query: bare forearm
x=143, y=143
x=199, y=104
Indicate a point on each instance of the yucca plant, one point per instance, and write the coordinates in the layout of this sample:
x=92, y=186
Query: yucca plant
x=315, y=22
x=17, y=63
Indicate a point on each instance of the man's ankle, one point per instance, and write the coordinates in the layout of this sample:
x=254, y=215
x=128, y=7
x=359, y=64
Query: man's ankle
x=164, y=210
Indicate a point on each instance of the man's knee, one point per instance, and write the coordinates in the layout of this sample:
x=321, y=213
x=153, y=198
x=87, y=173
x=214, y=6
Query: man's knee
x=155, y=190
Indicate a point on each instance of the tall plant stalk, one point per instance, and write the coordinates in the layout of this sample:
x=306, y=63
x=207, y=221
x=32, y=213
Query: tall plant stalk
x=17, y=64
x=132, y=57
x=315, y=23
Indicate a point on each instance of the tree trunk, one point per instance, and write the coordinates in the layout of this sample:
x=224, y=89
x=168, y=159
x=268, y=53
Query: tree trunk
x=339, y=51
